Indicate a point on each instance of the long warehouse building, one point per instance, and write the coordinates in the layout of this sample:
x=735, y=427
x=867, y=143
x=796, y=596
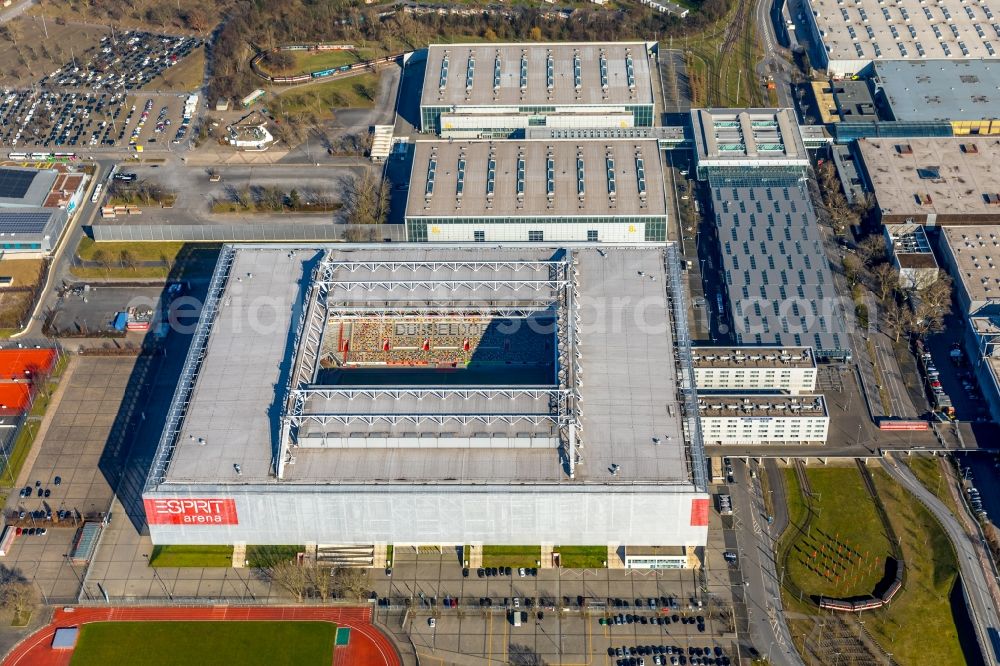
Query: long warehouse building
x=414, y=395
x=499, y=90
x=537, y=190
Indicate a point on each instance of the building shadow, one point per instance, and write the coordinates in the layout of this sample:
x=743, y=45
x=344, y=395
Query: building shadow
x=135, y=432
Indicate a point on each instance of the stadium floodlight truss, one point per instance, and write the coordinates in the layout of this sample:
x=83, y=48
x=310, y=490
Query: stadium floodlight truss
x=547, y=284
x=434, y=266
x=390, y=286
x=431, y=310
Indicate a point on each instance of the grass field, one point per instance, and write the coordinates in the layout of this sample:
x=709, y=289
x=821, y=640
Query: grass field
x=511, y=556
x=582, y=557
x=843, y=551
x=322, y=99
x=185, y=76
x=205, y=643
x=263, y=556
x=191, y=556
x=725, y=77
x=175, y=259
x=918, y=628
x=928, y=470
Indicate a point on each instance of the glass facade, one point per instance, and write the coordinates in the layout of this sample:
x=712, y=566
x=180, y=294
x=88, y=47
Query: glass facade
x=643, y=115
x=755, y=176
x=655, y=226
x=430, y=117
x=847, y=132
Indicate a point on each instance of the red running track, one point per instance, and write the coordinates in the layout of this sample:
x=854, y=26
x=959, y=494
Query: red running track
x=368, y=645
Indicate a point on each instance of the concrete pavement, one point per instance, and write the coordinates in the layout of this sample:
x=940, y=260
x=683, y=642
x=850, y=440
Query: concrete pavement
x=756, y=540
x=972, y=560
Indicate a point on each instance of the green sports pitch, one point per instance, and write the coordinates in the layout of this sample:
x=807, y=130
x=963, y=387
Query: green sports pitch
x=205, y=643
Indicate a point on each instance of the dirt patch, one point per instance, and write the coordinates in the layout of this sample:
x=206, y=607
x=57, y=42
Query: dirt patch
x=26, y=56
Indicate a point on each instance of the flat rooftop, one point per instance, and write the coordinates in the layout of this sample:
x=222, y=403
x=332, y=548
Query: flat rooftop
x=753, y=357
x=724, y=137
x=780, y=287
x=628, y=413
x=867, y=30
x=976, y=252
x=561, y=74
x=947, y=90
x=734, y=406
x=21, y=186
x=952, y=178
x=536, y=178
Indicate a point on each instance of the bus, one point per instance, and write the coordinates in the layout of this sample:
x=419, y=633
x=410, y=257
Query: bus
x=252, y=97
x=6, y=539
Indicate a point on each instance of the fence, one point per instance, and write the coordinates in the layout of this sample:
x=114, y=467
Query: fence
x=230, y=233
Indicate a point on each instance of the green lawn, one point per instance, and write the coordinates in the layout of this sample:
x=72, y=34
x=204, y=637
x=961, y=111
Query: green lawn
x=191, y=556
x=843, y=550
x=264, y=556
x=312, y=61
x=582, y=557
x=918, y=628
x=178, y=259
x=322, y=98
x=511, y=556
x=928, y=470
x=205, y=643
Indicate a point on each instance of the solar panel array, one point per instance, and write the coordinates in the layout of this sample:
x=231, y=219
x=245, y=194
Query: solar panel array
x=14, y=183
x=23, y=222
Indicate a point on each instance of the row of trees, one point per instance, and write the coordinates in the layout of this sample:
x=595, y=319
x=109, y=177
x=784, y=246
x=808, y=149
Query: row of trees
x=254, y=25
x=313, y=581
x=915, y=311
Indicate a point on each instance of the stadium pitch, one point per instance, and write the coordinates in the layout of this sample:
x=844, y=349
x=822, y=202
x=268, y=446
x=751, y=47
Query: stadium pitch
x=205, y=643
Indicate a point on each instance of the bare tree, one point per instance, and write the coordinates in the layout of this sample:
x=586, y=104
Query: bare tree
x=854, y=270
x=102, y=258
x=290, y=576
x=17, y=596
x=350, y=583
x=319, y=578
x=937, y=295
x=367, y=199
x=896, y=317
x=871, y=249
x=886, y=279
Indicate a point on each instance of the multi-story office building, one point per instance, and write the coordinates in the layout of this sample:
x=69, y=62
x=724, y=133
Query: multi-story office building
x=753, y=369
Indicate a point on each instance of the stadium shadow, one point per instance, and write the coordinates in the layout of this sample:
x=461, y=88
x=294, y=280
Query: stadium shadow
x=288, y=358
x=135, y=433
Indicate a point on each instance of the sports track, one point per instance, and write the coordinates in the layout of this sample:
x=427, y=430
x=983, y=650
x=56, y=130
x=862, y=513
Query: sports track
x=368, y=646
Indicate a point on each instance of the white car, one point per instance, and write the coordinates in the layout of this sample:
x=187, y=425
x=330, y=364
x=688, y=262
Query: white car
x=431, y=622
x=521, y=572
x=517, y=602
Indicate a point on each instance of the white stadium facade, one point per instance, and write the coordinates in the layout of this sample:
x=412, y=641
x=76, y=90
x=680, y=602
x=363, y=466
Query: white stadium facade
x=460, y=394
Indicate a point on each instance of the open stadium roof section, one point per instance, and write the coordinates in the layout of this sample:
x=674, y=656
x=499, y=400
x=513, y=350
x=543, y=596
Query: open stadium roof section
x=780, y=287
x=507, y=180
x=934, y=181
x=747, y=138
x=286, y=403
x=595, y=74
x=26, y=187
x=852, y=35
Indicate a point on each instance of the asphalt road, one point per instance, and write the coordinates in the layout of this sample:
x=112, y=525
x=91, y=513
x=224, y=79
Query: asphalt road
x=971, y=558
x=774, y=61
x=768, y=630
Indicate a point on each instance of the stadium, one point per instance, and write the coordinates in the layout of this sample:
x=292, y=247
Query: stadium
x=366, y=396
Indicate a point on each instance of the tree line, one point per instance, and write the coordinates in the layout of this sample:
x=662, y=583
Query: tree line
x=251, y=26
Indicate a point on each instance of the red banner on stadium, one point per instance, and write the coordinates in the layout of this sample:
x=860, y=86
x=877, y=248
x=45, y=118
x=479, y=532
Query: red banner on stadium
x=699, y=513
x=191, y=512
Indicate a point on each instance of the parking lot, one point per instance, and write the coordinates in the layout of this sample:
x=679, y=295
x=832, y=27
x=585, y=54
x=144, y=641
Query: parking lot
x=94, y=309
x=71, y=449
x=93, y=102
